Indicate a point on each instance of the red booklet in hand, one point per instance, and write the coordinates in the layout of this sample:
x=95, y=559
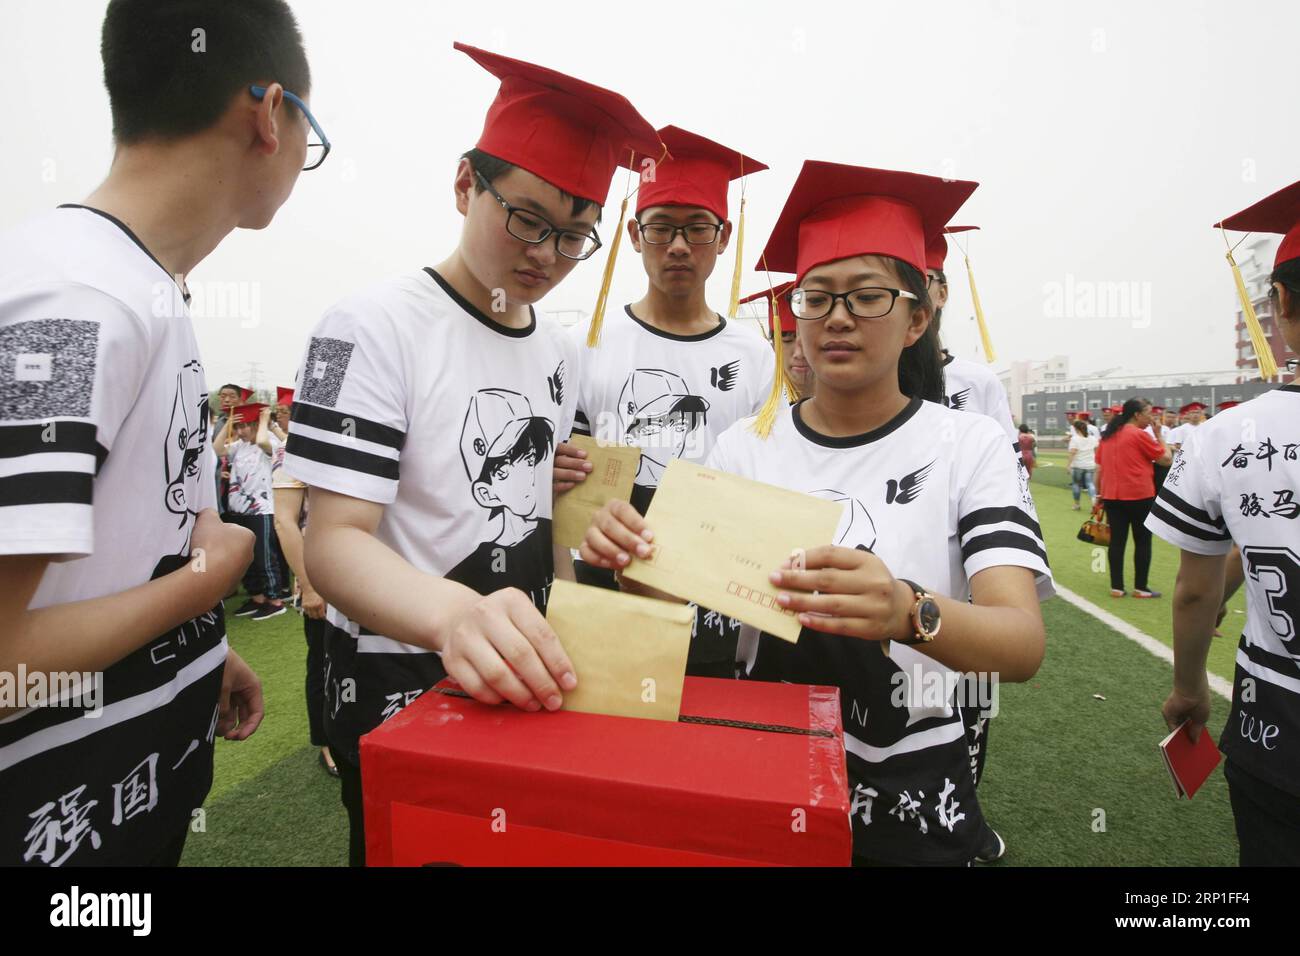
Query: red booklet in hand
x=1189, y=764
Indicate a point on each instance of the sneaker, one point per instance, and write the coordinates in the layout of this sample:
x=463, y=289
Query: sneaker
x=1117, y=593
x=1145, y=594
x=269, y=610
x=992, y=846
x=249, y=607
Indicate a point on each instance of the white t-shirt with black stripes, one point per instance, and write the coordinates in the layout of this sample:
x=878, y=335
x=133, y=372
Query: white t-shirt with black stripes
x=1236, y=479
x=105, y=460
x=670, y=395
x=412, y=398
x=934, y=494
x=972, y=387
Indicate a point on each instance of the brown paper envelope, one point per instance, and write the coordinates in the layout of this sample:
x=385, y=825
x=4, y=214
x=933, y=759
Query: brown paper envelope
x=629, y=652
x=719, y=536
x=613, y=471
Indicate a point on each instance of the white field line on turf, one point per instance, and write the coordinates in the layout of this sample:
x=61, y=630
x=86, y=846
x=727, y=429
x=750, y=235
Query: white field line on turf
x=1140, y=638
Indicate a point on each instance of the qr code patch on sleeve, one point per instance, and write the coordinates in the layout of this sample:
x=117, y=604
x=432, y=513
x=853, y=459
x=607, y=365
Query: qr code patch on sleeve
x=47, y=369
x=322, y=376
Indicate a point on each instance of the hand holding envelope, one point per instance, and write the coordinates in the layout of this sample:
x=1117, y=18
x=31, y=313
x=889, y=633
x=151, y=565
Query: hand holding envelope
x=611, y=477
x=718, y=537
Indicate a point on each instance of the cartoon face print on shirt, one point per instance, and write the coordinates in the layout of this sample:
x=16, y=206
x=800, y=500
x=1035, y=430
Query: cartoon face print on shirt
x=660, y=416
x=187, y=438
x=502, y=443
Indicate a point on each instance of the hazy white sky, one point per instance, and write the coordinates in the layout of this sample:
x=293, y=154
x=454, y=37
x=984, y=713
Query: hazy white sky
x=1106, y=138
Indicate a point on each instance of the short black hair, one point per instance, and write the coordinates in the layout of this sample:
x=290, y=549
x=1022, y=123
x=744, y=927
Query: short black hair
x=237, y=388
x=537, y=439
x=166, y=79
x=491, y=168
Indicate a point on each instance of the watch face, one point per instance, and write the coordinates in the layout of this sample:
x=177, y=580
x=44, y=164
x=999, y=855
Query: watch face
x=928, y=617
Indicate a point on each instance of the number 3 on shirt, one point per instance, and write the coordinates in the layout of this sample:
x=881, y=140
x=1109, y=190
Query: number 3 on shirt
x=1278, y=571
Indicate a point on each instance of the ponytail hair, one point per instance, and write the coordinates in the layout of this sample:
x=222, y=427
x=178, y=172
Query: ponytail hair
x=1131, y=408
x=920, y=366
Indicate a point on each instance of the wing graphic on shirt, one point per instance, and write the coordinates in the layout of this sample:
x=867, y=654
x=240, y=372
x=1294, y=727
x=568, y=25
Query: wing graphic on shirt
x=958, y=400
x=909, y=488
x=555, y=383
x=724, y=377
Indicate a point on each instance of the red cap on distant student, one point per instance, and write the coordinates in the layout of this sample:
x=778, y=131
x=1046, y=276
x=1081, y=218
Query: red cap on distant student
x=1278, y=213
x=697, y=172
x=1116, y=409
x=247, y=413
x=836, y=211
x=1191, y=407
x=936, y=250
x=570, y=133
x=283, y=396
x=1224, y=406
x=782, y=305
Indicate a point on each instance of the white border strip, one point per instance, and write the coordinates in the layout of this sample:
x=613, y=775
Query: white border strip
x=1140, y=638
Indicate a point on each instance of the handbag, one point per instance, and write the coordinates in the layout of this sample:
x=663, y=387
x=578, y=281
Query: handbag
x=1095, y=530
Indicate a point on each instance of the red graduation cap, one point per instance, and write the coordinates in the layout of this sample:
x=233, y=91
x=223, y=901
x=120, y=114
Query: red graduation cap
x=570, y=133
x=1085, y=416
x=1158, y=409
x=1191, y=407
x=936, y=250
x=782, y=305
x=1116, y=409
x=836, y=211
x=697, y=172
x=249, y=413
x=283, y=396
x=1224, y=406
x=1279, y=213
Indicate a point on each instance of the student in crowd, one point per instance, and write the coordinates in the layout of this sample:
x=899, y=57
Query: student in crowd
x=1082, y=461
x=671, y=373
x=1028, y=445
x=967, y=386
x=954, y=519
x=1232, y=487
x=98, y=527
x=252, y=505
x=426, y=420
x=795, y=363
x=290, y=520
x=277, y=428
x=1124, y=457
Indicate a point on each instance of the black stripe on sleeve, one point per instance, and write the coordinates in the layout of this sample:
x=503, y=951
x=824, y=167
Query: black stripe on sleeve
x=1171, y=499
x=48, y=487
x=1002, y=539
x=982, y=516
x=1186, y=527
x=66, y=437
x=341, y=456
x=580, y=424
x=330, y=420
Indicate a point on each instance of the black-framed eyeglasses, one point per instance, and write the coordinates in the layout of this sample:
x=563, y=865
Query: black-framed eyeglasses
x=932, y=278
x=870, y=302
x=316, y=151
x=528, y=226
x=663, y=233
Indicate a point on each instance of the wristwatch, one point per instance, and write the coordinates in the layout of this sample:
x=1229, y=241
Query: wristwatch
x=924, y=616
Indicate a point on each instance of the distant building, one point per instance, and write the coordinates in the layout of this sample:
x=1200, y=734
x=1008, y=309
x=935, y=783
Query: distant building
x=1024, y=377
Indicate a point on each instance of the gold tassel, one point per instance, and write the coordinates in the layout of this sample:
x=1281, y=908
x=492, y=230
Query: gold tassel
x=766, y=417
x=985, y=339
x=1263, y=350
x=735, y=275
x=598, y=315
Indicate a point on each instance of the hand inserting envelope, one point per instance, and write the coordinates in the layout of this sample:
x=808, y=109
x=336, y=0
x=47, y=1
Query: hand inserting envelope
x=718, y=537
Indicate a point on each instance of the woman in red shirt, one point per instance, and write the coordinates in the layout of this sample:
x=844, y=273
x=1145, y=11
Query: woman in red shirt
x=1127, y=485
x=1027, y=454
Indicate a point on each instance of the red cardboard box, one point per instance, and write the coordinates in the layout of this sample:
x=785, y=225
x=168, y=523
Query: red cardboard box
x=454, y=782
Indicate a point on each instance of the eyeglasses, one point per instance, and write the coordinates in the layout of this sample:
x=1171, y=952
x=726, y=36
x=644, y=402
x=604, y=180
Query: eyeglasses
x=316, y=152
x=867, y=303
x=696, y=233
x=531, y=228
x=932, y=278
